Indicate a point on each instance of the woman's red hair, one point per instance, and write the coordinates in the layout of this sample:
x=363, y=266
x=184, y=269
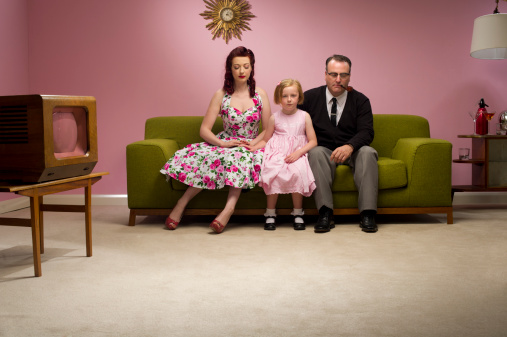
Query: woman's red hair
x=229, y=79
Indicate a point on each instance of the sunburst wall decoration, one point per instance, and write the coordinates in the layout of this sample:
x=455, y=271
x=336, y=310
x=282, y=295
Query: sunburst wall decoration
x=228, y=18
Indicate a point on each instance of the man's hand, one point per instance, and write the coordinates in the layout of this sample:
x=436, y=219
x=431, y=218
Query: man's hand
x=342, y=153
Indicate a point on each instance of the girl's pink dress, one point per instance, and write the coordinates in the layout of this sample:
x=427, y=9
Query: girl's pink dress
x=277, y=176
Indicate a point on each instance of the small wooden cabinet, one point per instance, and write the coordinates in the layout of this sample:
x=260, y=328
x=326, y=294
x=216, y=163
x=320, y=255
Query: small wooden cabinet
x=489, y=164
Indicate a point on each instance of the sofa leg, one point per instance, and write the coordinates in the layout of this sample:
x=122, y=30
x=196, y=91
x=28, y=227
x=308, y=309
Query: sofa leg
x=450, y=219
x=132, y=218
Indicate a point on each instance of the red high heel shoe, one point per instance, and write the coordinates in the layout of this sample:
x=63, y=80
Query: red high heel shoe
x=217, y=226
x=171, y=224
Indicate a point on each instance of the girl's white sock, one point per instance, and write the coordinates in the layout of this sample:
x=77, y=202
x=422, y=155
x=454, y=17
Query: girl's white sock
x=298, y=213
x=270, y=212
x=270, y=215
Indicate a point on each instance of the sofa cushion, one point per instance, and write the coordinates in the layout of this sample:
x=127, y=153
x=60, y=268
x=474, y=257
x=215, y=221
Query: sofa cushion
x=176, y=185
x=392, y=173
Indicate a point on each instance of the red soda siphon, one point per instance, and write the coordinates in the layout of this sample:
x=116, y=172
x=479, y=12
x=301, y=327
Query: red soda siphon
x=481, y=124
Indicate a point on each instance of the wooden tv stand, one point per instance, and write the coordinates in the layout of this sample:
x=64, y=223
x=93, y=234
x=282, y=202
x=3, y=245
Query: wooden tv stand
x=37, y=207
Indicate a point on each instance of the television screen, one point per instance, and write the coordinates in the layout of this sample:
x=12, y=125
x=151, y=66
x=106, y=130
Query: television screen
x=69, y=132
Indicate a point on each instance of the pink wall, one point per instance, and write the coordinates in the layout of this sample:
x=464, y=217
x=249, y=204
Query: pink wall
x=13, y=52
x=146, y=58
x=13, y=47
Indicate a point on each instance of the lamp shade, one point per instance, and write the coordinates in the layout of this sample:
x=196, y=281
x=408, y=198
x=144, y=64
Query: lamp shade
x=489, y=39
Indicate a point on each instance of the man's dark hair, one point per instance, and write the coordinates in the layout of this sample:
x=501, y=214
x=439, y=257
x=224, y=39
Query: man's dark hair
x=339, y=58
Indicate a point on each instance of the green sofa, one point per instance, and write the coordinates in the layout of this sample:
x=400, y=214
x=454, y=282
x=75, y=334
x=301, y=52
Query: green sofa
x=414, y=172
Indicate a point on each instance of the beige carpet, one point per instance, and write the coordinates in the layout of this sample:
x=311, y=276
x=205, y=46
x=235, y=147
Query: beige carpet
x=417, y=276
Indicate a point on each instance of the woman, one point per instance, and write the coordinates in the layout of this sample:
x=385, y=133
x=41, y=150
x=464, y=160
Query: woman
x=222, y=159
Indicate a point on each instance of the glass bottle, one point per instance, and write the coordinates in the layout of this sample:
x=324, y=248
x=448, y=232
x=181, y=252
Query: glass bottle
x=481, y=124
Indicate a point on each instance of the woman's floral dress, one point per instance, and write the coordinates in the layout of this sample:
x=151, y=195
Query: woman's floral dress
x=212, y=167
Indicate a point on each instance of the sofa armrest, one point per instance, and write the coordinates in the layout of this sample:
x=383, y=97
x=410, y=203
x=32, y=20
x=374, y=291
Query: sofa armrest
x=165, y=148
x=428, y=163
x=146, y=186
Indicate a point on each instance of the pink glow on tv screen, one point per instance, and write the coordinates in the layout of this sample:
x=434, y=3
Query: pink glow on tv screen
x=69, y=132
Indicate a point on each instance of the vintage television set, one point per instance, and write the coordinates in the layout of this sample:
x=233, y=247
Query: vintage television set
x=47, y=137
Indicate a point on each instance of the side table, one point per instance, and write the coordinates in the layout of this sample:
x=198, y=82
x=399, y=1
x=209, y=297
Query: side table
x=489, y=164
x=37, y=207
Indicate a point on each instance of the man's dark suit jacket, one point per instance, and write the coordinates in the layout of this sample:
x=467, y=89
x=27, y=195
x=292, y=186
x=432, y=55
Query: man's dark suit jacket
x=356, y=123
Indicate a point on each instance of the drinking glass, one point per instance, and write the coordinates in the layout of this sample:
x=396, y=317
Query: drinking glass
x=489, y=115
x=474, y=116
x=464, y=153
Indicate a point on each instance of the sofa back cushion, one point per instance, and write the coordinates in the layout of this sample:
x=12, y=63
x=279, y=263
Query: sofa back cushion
x=183, y=129
x=389, y=128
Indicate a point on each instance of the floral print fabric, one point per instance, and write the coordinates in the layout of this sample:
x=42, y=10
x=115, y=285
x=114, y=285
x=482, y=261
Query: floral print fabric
x=207, y=166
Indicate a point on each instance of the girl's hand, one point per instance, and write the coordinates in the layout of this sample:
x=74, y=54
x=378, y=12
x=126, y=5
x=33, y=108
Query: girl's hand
x=292, y=157
x=251, y=148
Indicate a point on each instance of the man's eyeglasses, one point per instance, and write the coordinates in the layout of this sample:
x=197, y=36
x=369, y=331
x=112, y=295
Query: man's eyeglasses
x=342, y=75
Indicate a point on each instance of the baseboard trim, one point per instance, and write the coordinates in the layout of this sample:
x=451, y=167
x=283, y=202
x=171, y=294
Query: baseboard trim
x=460, y=198
x=65, y=199
x=479, y=198
x=77, y=199
x=14, y=204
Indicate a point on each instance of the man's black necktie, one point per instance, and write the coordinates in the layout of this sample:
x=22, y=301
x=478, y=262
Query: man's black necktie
x=333, y=112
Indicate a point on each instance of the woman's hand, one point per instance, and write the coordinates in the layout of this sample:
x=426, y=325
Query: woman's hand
x=244, y=143
x=231, y=143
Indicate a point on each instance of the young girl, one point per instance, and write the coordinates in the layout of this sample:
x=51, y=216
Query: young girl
x=285, y=169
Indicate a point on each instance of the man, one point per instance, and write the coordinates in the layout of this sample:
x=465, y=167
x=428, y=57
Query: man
x=343, y=121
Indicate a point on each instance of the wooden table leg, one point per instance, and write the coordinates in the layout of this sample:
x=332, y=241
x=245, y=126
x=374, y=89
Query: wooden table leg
x=36, y=192
x=41, y=225
x=88, y=218
x=35, y=211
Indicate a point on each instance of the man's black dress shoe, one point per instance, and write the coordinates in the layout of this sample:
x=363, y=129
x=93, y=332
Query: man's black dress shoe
x=367, y=223
x=325, y=221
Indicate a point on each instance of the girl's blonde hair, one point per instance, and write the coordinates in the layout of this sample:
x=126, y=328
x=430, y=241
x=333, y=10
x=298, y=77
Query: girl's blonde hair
x=289, y=82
